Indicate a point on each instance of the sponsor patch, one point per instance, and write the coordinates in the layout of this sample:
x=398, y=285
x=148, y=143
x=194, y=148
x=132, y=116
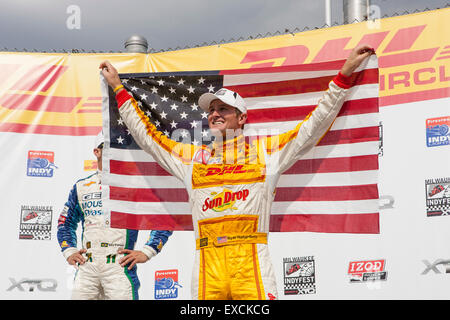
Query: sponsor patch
x=367, y=270
x=35, y=222
x=438, y=132
x=438, y=196
x=40, y=163
x=299, y=275
x=166, y=284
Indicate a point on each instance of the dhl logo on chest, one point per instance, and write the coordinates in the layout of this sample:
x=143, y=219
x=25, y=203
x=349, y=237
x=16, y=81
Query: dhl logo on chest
x=212, y=175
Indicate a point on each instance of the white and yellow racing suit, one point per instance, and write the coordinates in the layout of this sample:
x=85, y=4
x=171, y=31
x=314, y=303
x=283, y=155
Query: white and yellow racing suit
x=231, y=188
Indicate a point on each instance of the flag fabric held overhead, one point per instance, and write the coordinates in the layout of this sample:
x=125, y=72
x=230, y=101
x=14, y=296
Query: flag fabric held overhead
x=333, y=188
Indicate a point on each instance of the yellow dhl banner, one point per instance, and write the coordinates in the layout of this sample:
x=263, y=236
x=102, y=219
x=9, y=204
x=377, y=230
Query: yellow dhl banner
x=60, y=93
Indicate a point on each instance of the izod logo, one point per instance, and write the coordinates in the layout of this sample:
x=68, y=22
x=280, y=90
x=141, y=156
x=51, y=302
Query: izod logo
x=224, y=200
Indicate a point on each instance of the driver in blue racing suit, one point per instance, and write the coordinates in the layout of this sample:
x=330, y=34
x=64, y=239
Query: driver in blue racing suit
x=107, y=261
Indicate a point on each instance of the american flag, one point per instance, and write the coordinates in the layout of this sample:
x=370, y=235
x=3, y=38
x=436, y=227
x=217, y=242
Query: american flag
x=333, y=188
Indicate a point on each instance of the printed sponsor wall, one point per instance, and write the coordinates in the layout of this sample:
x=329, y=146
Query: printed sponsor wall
x=50, y=111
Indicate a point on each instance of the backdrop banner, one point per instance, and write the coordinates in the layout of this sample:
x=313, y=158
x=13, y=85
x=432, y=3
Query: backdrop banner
x=51, y=111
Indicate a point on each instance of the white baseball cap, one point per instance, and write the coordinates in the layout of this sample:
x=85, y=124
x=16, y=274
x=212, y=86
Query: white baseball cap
x=99, y=139
x=225, y=95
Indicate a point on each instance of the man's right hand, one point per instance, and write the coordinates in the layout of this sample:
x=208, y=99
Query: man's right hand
x=110, y=73
x=77, y=257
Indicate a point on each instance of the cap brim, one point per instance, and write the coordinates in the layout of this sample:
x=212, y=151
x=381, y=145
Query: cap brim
x=205, y=100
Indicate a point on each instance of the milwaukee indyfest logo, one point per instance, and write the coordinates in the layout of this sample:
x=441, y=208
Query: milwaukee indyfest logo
x=438, y=196
x=166, y=284
x=35, y=222
x=367, y=270
x=299, y=275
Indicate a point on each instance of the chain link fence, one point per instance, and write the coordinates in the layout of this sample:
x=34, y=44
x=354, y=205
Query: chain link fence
x=223, y=41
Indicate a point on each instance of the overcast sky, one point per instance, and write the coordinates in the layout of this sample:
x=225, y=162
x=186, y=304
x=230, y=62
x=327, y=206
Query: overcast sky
x=105, y=25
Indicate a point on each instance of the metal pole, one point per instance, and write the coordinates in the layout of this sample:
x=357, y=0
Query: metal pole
x=136, y=44
x=328, y=12
x=355, y=10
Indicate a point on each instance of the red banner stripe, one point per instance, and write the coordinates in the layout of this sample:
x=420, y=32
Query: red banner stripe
x=47, y=129
x=405, y=58
x=280, y=88
x=39, y=103
x=415, y=96
x=351, y=107
x=43, y=75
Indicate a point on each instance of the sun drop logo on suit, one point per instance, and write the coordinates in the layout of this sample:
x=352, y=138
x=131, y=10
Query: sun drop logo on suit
x=41, y=164
x=224, y=200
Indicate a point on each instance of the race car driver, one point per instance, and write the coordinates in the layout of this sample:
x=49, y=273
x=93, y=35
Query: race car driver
x=231, y=182
x=107, y=262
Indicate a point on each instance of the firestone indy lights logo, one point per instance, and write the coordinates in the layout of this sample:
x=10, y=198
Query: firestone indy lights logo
x=438, y=196
x=35, y=222
x=166, y=284
x=299, y=275
x=438, y=132
x=368, y=270
x=41, y=164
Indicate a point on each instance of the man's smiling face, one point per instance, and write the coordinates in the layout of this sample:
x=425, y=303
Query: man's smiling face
x=222, y=117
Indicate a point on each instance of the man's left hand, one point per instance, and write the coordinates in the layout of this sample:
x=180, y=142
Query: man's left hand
x=132, y=257
x=356, y=56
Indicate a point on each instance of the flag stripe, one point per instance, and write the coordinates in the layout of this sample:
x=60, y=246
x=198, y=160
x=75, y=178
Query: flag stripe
x=340, y=193
x=151, y=221
x=341, y=123
x=343, y=164
x=361, y=223
x=350, y=136
x=358, y=163
x=361, y=192
x=296, y=113
x=279, y=207
x=286, y=180
x=288, y=87
x=148, y=194
x=332, y=151
x=309, y=98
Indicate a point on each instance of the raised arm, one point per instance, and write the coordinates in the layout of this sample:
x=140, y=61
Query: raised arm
x=171, y=155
